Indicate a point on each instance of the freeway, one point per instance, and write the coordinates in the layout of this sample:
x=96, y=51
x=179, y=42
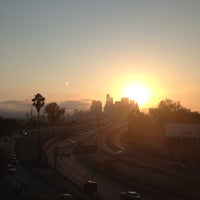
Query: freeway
x=156, y=177
x=153, y=178
x=23, y=182
x=80, y=168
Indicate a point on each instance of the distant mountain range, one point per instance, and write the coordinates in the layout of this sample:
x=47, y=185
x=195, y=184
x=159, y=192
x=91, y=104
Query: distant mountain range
x=19, y=109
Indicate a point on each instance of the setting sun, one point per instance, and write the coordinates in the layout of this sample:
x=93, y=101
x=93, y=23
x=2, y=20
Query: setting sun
x=137, y=92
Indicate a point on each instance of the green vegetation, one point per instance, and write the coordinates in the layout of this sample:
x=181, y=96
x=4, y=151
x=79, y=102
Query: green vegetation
x=54, y=113
x=145, y=132
x=169, y=111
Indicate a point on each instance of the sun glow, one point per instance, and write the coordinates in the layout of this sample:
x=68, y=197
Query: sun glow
x=138, y=93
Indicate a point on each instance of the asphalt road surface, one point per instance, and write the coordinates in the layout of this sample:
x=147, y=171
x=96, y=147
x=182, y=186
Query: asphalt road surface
x=152, y=178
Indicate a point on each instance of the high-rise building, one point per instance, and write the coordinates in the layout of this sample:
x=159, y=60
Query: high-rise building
x=125, y=101
x=109, y=100
x=120, y=109
x=108, y=108
x=96, y=107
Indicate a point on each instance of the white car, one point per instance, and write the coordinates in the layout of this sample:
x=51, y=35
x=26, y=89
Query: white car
x=90, y=186
x=23, y=132
x=130, y=195
x=119, y=154
x=66, y=196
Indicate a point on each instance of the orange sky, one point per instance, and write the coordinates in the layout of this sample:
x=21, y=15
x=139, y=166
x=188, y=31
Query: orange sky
x=100, y=47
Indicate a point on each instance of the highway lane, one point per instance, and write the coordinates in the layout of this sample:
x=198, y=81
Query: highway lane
x=148, y=176
x=80, y=172
x=133, y=176
x=25, y=182
x=157, y=176
x=132, y=157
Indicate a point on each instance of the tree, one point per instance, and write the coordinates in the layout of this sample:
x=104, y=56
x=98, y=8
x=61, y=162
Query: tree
x=170, y=105
x=138, y=123
x=169, y=111
x=54, y=112
x=38, y=102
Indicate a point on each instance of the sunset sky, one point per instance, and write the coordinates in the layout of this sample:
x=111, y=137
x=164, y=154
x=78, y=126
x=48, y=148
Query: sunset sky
x=83, y=49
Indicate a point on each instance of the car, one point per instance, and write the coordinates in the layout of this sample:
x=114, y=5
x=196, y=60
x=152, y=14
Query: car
x=65, y=196
x=9, y=165
x=11, y=170
x=130, y=195
x=14, y=161
x=71, y=142
x=6, y=138
x=12, y=154
x=119, y=154
x=90, y=186
x=23, y=132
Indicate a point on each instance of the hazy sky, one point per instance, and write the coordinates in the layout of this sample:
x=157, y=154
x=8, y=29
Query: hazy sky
x=84, y=49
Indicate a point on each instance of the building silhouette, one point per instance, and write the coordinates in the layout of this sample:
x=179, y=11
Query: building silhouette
x=109, y=107
x=117, y=110
x=120, y=109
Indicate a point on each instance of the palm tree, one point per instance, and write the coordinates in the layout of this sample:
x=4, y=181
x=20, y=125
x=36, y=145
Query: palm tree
x=38, y=102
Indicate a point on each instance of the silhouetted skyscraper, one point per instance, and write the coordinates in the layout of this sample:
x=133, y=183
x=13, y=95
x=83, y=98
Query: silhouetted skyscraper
x=108, y=108
x=96, y=107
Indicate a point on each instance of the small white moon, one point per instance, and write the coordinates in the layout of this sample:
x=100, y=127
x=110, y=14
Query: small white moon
x=66, y=83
